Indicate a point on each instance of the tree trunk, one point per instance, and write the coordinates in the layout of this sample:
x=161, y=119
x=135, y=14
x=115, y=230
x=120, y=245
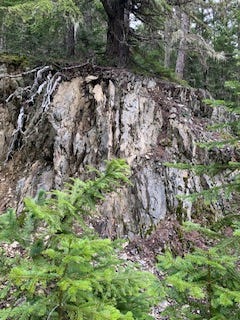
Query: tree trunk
x=117, y=50
x=70, y=41
x=71, y=37
x=181, y=57
x=2, y=42
x=167, y=43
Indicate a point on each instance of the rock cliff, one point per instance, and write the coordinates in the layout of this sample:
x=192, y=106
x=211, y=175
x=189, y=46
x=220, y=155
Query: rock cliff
x=56, y=124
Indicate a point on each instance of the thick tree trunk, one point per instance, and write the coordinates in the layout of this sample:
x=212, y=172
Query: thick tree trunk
x=181, y=57
x=117, y=50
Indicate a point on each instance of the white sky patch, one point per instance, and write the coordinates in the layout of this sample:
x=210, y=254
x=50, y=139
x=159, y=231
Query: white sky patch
x=134, y=22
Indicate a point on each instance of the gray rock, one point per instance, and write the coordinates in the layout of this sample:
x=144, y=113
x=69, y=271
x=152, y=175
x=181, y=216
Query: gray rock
x=97, y=118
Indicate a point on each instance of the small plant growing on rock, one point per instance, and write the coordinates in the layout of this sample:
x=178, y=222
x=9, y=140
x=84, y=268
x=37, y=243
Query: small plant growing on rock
x=63, y=270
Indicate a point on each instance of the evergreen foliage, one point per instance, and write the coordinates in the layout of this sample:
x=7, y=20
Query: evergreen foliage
x=63, y=269
x=43, y=27
x=78, y=30
x=149, y=63
x=204, y=284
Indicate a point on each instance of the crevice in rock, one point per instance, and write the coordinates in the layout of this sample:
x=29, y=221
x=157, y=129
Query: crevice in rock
x=93, y=114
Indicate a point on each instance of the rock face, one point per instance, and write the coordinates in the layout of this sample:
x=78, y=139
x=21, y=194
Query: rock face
x=102, y=114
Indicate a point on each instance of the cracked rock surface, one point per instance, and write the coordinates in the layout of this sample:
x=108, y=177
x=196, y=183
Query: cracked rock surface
x=100, y=115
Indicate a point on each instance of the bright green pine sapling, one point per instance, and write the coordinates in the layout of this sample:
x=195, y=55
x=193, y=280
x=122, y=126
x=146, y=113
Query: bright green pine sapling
x=64, y=274
x=204, y=284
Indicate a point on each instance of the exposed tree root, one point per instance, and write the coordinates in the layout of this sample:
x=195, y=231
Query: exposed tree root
x=39, y=93
x=45, y=84
x=20, y=74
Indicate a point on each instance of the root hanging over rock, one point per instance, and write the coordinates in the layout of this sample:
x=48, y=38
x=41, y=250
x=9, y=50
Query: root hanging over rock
x=42, y=83
x=45, y=83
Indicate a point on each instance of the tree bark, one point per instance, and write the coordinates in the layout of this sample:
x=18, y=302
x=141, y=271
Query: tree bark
x=2, y=42
x=181, y=57
x=70, y=41
x=117, y=50
x=167, y=44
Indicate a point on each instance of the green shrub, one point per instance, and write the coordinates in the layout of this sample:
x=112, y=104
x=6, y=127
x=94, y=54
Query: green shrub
x=63, y=269
x=204, y=284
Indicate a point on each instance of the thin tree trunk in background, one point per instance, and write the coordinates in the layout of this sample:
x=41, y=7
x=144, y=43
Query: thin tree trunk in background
x=182, y=50
x=2, y=42
x=238, y=37
x=70, y=41
x=167, y=43
x=71, y=37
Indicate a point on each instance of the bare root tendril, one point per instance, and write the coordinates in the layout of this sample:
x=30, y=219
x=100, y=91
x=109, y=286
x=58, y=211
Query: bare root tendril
x=44, y=85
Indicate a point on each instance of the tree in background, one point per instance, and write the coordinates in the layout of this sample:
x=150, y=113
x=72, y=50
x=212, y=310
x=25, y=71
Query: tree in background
x=67, y=30
x=118, y=14
x=123, y=18
x=218, y=25
x=186, y=37
x=43, y=27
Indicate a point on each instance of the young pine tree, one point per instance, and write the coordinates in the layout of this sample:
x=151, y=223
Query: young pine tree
x=63, y=269
x=204, y=284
